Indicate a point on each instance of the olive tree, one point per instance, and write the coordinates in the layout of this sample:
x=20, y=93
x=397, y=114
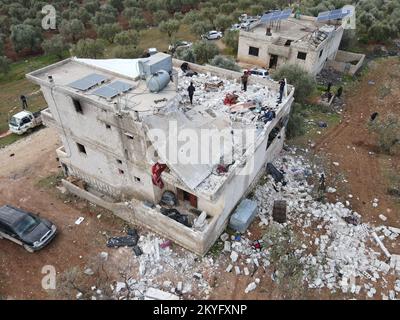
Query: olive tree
x=89, y=48
x=56, y=46
x=170, y=27
x=25, y=37
x=108, y=31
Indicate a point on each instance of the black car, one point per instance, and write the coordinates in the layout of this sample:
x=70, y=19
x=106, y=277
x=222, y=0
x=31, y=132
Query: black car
x=25, y=228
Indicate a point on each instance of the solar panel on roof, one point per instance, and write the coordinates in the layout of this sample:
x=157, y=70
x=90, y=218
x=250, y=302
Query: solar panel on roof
x=333, y=15
x=88, y=82
x=276, y=15
x=113, y=89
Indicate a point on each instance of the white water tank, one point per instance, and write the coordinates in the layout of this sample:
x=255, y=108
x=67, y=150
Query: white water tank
x=158, y=81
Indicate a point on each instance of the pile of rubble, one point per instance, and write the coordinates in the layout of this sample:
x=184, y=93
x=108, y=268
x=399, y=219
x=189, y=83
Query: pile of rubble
x=346, y=255
x=338, y=251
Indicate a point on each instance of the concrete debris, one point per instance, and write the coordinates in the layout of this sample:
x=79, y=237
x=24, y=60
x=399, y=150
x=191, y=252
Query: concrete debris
x=234, y=256
x=251, y=287
x=201, y=222
x=337, y=252
x=88, y=272
x=227, y=246
x=79, y=295
x=104, y=256
x=224, y=237
x=120, y=286
x=79, y=221
x=237, y=270
x=156, y=294
x=382, y=217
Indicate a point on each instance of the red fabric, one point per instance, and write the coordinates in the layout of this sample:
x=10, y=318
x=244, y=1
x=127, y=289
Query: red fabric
x=156, y=172
x=230, y=99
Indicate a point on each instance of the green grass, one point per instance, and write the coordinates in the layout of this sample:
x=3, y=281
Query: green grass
x=14, y=84
x=50, y=181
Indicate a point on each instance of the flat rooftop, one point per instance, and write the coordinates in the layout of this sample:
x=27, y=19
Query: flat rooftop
x=157, y=110
x=290, y=29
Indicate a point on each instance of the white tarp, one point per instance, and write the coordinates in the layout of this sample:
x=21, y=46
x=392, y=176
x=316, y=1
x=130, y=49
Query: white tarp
x=125, y=67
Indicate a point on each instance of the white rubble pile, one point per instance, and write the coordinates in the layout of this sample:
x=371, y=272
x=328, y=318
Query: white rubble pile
x=156, y=264
x=344, y=255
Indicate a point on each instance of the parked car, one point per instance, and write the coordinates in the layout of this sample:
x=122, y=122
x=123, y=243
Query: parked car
x=212, y=35
x=180, y=44
x=260, y=73
x=235, y=27
x=25, y=228
x=24, y=121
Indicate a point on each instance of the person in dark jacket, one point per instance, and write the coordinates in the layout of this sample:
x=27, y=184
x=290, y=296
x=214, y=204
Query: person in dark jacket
x=191, y=89
x=245, y=79
x=282, y=84
x=24, y=103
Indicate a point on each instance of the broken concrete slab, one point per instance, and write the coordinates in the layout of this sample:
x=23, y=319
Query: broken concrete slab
x=156, y=294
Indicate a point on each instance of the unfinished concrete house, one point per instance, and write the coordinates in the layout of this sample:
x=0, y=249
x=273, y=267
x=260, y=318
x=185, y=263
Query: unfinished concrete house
x=119, y=121
x=300, y=40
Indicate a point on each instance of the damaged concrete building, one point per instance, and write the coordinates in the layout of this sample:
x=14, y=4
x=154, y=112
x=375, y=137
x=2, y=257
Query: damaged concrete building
x=107, y=111
x=300, y=40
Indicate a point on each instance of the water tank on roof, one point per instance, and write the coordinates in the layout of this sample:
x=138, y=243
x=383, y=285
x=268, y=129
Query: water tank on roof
x=158, y=81
x=151, y=65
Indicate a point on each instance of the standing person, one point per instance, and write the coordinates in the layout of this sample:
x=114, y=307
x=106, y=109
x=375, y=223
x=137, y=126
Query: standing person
x=191, y=89
x=245, y=79
x=24, y=103
x=282, y=84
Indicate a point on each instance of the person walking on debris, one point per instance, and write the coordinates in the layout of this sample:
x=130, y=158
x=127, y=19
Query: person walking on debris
x=24, y=103
x=191, y=89
x=282, y=85
x=245, y=79
x=322, y=186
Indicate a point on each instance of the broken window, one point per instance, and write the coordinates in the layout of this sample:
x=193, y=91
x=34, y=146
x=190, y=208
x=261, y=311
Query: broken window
x=320, y=53
x=81, y=148
x=253, y=51
x=78, y=106
x=302, y=55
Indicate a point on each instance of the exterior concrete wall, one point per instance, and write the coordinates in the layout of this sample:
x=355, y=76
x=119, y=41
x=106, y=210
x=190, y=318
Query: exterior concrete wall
x=314, y=63
x=347, y=62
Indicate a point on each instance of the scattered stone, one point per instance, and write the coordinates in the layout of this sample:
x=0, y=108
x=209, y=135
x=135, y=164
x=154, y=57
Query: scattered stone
x=382, y=217
x=88, y=272
x=234, y=256
x=237, y=270
x=251, y=287
x=229, y=268
x=156, y=294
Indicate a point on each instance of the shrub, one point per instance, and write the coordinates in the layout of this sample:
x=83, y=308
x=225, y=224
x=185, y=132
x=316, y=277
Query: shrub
x=296, y=125
x=127, y=52
x=89, y=48
x=4, y=65
x=56, y=45
x=225, y=63
x=231, y=40
x=299, y=78
x=388, y=131
x=204, y=51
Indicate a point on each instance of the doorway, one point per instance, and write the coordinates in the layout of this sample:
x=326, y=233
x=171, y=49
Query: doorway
x=273, y=61
x=187, y=197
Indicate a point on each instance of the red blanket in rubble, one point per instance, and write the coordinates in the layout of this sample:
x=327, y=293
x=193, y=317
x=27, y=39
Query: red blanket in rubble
x=156, y=172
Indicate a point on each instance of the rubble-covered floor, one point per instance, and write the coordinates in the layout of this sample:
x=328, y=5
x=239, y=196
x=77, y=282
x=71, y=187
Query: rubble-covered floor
x=336, y=257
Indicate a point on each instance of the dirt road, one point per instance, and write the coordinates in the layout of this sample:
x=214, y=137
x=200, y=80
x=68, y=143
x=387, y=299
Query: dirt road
x=353, y=146
x=23, y=164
